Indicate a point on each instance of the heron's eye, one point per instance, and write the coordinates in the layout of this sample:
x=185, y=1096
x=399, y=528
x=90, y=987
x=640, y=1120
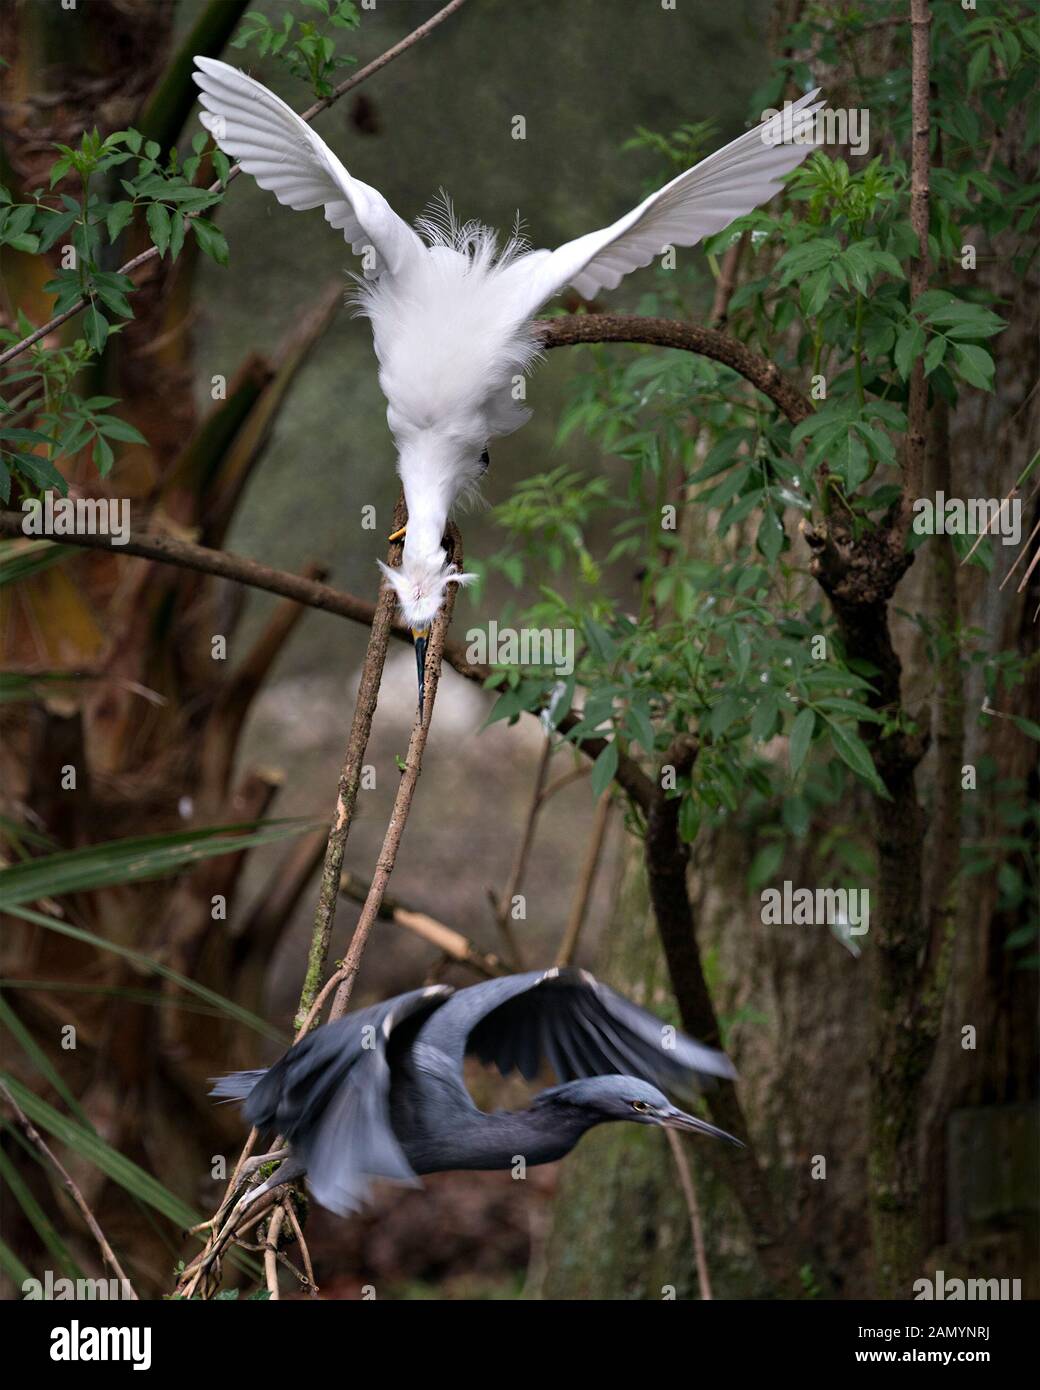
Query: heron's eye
x=640, y=1105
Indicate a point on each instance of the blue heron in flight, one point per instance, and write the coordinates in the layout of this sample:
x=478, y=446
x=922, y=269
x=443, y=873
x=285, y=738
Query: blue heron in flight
x=380, y=1093
x=451, y=311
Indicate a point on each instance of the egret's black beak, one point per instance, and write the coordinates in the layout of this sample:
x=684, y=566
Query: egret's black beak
x=678, y=1119
x=421, y=636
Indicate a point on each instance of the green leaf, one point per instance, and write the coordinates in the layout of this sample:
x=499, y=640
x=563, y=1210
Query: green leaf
x=765, y=864
x=604, y=768
x=95, y=328
x=975, y=365
x=641, y=726
x=978, y=66
x=134, y=860
x=40, y=471
x=159, y=225
x=800, y=738
x=770, y=539
x=934, y=353
x=119, y=214
x=855, y=754
x=91, y=1147
x=909, y=346
x=211, y=240
x=689, y=819
x=114, y=428
x=144, y=963
x=38, y=1218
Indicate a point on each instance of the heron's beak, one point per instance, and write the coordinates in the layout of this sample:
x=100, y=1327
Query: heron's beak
x=678, y=1119
x=420, y=636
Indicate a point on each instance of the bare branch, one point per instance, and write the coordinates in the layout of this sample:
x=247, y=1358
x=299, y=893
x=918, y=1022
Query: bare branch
x=36, y=1139
x=405, y=793
x=350, y=781
x=580, y=906
x=447, y=940
x=682, y=1164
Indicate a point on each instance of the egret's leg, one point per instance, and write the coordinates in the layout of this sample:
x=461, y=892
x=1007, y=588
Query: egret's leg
x=398, y=534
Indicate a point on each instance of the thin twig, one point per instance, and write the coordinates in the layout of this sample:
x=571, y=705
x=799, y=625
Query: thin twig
x=351, y=82
x=580, y=906
x=452, y=943
x=682, y=1163
x=274, y=1230
x=349, y=782
x=305, y=1254
x=36, y=1139
x=403, y=799
x=504, y=904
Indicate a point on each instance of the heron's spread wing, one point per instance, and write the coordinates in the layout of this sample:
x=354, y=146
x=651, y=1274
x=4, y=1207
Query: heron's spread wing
x=283, y=154
x=703, y=200
x=583, y=1028
x=330, y=1097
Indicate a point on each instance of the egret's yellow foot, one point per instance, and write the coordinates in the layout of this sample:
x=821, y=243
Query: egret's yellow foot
x=397, y=535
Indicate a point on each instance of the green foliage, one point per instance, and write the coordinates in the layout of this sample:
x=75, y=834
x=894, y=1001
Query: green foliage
x=721, y=642
x=303, y=46
x=165, y=196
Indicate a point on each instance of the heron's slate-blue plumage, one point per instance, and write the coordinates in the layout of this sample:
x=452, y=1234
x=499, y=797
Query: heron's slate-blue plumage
x=380, y=1093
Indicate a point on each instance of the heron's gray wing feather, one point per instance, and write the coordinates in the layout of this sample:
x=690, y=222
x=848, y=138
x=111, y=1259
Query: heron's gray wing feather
x=330, y=1098
x=582, y=1028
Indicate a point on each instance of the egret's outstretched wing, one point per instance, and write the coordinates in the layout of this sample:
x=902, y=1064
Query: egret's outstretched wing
x=581, y=1027
x=256, y=128
x=705, y=199
x=330, y=1097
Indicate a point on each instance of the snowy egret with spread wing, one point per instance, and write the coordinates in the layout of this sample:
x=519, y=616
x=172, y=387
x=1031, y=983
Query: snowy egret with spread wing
x=451, y=308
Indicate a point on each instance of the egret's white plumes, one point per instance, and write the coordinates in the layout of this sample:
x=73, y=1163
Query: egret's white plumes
x=452, y=341
x=450, y=311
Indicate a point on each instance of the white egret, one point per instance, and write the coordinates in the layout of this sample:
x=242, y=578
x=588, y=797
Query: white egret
x=451, y=310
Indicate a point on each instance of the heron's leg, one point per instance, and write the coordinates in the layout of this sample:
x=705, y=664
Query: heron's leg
x=249, y=1167
x=290, y=1168
x=398, y=534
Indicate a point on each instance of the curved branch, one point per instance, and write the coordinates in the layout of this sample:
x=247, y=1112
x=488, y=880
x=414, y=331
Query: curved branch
x=570, y=329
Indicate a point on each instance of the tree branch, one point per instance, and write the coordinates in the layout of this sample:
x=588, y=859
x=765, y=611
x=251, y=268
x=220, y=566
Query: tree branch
x=36, y=1139
x=405, y=793
x=570, y=329
x=205, y=560
x=349, y=782
x=446, y=939
x=917, y=404
x=666, y=863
